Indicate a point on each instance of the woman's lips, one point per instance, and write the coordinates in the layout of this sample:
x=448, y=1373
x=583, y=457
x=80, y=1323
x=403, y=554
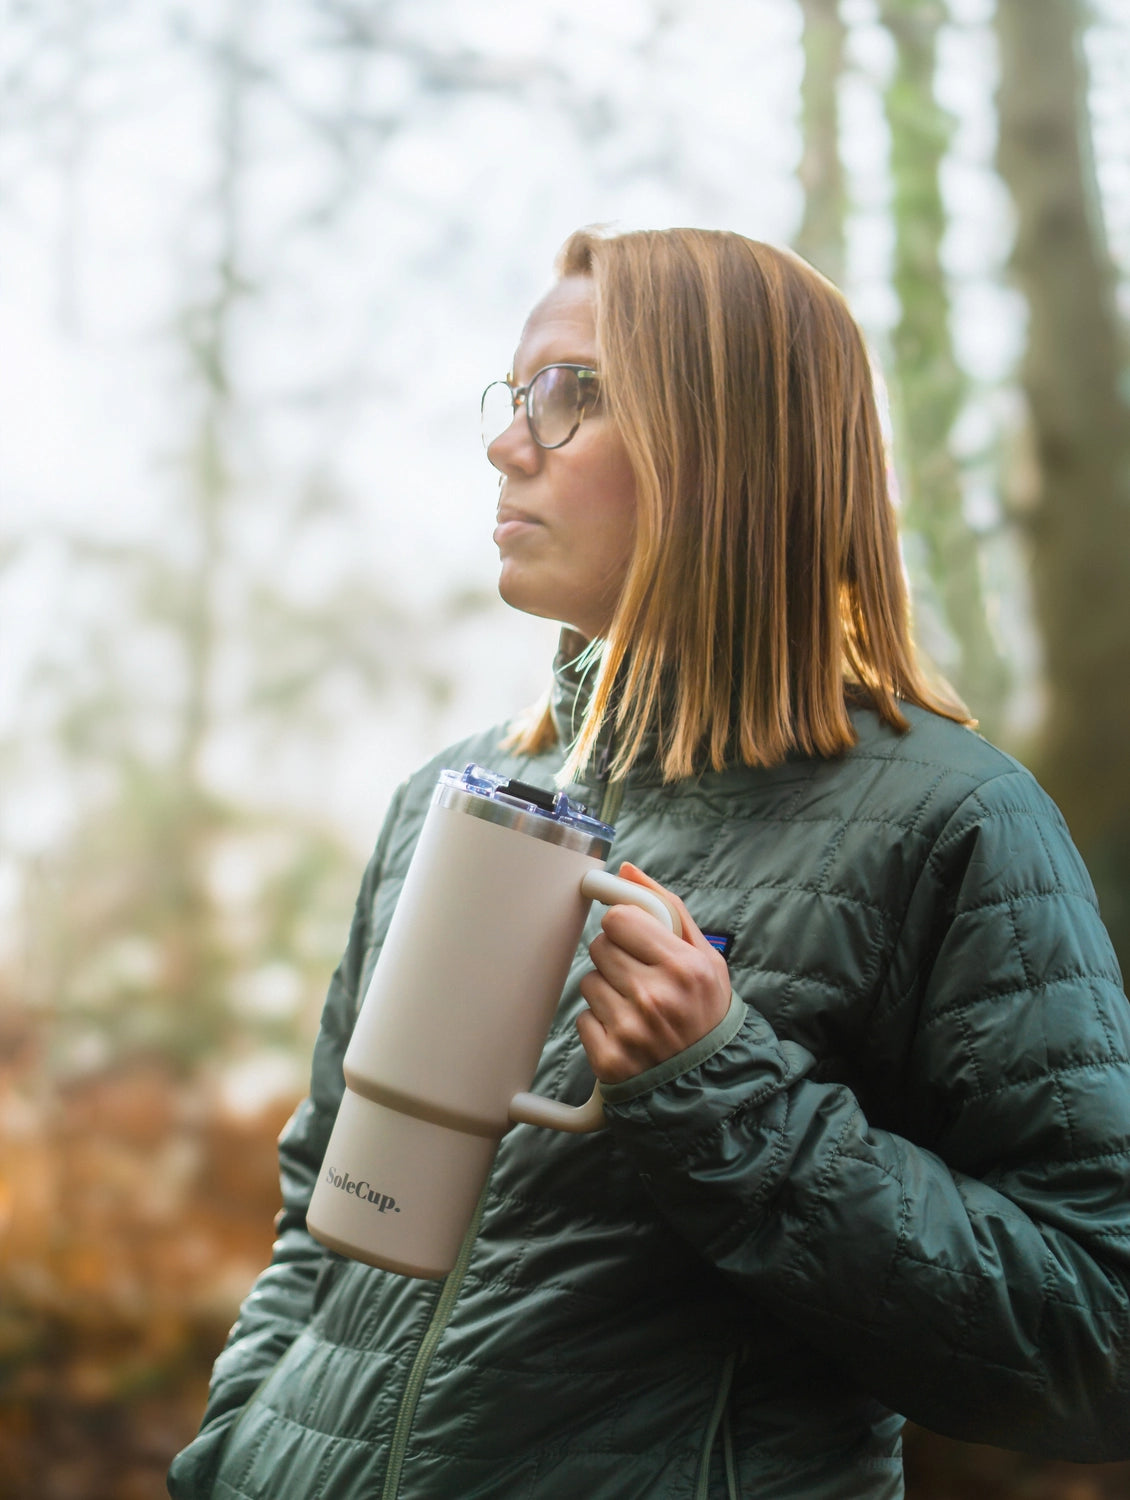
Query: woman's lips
x=512, y=523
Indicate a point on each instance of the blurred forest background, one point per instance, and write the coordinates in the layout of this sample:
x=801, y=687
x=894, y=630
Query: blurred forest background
x=259, y=261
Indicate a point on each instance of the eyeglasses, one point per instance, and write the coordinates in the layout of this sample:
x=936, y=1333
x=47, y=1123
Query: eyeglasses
x=556, y=400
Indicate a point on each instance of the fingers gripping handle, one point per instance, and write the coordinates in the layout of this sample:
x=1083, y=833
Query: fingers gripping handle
x=534, y=1109
x=611, y=890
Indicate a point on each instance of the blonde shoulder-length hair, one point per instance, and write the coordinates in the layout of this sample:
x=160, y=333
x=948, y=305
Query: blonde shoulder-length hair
x=765, y=589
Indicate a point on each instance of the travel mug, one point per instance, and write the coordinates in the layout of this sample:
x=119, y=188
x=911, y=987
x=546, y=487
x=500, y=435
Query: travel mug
x=456, y=1014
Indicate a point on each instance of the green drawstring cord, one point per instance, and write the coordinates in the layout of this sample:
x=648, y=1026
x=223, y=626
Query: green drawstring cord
x=717, y=1413
x=732, y=1490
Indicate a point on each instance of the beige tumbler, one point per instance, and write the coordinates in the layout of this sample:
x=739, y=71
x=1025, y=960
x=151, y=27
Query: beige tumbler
x=456, y=1014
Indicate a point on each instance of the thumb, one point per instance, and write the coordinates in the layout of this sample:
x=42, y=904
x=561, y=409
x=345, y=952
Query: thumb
x=690, y=930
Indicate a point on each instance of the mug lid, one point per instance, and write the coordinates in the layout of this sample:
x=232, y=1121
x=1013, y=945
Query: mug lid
x=529, y=809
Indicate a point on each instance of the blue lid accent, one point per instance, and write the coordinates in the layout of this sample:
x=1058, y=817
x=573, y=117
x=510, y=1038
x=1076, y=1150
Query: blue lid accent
x=555, y=806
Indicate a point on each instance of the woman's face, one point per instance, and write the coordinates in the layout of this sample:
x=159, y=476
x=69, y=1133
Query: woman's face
x=566, y=516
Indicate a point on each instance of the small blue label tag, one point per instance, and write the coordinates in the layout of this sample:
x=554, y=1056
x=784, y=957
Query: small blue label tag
x=723, y=941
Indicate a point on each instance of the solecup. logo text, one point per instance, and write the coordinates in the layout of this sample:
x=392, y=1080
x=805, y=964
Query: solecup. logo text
x=363, y=1189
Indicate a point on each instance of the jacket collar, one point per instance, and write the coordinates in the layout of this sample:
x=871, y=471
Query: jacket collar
x=574, y=676
x=575, y=669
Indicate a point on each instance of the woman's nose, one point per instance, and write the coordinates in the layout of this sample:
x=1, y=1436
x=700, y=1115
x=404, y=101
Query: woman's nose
x=514, y=450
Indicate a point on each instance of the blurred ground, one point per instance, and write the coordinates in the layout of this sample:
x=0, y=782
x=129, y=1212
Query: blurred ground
x=135, y=1210
x=134, y=1214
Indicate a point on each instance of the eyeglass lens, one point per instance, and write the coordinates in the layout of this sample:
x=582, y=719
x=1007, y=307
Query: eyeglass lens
x=555, y=402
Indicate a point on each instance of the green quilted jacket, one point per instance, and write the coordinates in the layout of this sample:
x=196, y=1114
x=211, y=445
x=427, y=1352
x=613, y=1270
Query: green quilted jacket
x=891, y=1183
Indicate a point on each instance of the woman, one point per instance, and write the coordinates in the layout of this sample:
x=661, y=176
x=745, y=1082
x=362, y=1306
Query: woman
x=868, y=1165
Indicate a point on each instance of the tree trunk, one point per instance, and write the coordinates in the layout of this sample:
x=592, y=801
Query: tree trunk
x=1074, y=378
x=820, y=238
x=928, y=386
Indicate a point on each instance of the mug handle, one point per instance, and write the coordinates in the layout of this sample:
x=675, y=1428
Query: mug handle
x=535, y=1109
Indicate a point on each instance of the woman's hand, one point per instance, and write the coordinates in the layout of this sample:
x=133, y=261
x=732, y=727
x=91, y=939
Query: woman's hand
x=651, y=994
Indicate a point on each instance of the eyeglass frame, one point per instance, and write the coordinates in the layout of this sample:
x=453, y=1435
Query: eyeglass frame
x=518, y=393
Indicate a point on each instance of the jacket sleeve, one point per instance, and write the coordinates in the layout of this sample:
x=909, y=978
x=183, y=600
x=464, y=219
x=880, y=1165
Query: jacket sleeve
x=972, y=1273
x=280, y=1303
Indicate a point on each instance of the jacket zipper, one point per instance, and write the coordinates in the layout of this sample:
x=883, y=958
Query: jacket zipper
x=428, y=1345
x=609, y=807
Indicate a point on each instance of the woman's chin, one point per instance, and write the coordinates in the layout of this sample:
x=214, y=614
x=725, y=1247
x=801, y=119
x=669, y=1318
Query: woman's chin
x=530, y=595
x=522, y=593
